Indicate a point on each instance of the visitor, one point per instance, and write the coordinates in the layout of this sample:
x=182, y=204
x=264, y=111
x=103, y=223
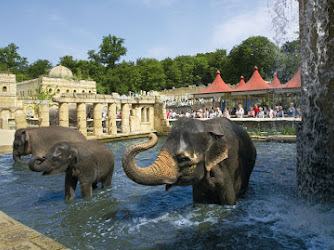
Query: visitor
x=206, y=113
x=240, y=111
x=226, y=113
x=256, y=109
x=219, y=113
x=233, y=111
x=172, y=114
x=251, y=112
x=260, y=114
x=167, y=113
x=212, y=113
x=291, y=111
x=271, y=112
x=280, y=112
x=298, y=113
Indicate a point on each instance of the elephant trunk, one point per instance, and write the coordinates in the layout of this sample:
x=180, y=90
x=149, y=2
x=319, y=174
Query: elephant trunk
x=162, y=171
x=16, y=156
x=35, y=164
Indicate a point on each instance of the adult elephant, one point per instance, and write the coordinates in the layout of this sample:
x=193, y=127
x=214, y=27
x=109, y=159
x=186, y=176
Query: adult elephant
x=37, y=141
x=215, y=156
x=88, y=162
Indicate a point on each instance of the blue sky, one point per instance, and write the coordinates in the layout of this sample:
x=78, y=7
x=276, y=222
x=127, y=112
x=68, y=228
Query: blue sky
x=158, y=29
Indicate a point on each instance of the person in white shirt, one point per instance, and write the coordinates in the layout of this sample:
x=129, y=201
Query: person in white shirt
x=240, y=112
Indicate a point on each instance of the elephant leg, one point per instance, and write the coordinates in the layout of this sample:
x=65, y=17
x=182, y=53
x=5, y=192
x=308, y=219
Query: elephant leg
x=70, y=186
x=107, y=181
x=86, y=189
x=224, y=185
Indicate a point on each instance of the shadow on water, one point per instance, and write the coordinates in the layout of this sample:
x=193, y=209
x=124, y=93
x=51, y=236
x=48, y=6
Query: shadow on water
x=131, y=216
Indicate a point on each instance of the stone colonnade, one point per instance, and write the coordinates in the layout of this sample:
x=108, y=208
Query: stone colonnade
x=140, y=114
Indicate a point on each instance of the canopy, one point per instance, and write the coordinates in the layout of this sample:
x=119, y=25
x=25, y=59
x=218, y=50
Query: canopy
x=275, y=83
x=217, y=86
x=295, y=81
x=240, y=84
x=255, y=85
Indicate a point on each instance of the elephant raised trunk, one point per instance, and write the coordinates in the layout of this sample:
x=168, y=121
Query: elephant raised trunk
x=162, y=171
x=35, y=164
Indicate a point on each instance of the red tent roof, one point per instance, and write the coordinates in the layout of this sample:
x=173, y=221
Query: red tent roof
x=295, y=81
x=217, y=86
x=276, y=82
x=256, y=82
x=241, y=83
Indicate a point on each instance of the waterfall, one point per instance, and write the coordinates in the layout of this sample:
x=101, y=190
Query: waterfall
x=315, y=142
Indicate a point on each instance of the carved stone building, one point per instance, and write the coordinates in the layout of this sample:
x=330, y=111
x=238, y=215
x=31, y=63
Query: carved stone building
x=60, y=80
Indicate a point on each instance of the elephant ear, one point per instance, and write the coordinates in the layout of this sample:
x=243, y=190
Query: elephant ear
x=73, y=156
x=217, y=150
x=25, y=138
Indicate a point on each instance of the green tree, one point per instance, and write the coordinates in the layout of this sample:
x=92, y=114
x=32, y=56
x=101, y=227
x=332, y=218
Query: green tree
x=256, y=50
x=123, y=78
x=187, y=66
x=38, y=68
x=172, y=72
x=152, y=74
x=290, y=60
x=111, y=50
x=11, y=61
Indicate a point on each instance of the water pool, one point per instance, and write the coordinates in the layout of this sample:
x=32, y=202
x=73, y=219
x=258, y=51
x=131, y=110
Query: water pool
x=130, y=216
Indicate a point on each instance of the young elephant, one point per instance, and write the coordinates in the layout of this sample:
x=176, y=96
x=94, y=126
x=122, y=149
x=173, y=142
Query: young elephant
x=215, y=156
x=88, y=162
x=37, y=141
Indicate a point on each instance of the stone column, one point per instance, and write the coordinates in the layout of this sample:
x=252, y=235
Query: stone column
x=144, y=115
x=63, y=114
x=81, y=118
x=112, y=126
x=315, y=140
x=98, y=130
x=151, y=117
x=134, y=119
x=20, y=119
x=43, y=113
x=161, y=123
x=125, y=127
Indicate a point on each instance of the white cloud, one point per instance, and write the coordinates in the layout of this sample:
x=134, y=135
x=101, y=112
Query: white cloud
x=231, y=32
x=251, y=23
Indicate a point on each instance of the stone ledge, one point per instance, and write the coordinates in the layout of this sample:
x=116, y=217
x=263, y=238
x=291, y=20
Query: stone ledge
x=14, y=235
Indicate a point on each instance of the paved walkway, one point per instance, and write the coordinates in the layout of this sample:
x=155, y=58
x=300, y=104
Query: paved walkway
x=14, y=235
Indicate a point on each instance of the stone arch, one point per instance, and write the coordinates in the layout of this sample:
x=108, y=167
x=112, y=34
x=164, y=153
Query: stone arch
x=58, y=91
x=74, y=91
x=67, y=91
x=50, y=90
x=4, y=89
x=83, y=91
x=89, y=91
x=147, y=119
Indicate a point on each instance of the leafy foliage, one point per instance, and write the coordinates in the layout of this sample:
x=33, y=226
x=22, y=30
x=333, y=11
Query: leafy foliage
x=103, y=66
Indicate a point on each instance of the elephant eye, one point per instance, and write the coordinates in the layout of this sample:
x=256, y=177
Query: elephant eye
x=182, y=159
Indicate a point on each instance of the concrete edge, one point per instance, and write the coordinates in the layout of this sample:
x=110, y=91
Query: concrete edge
x=15, y=235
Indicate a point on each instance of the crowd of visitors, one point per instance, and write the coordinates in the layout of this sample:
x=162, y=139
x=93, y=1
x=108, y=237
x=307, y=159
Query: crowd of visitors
x=239, y=112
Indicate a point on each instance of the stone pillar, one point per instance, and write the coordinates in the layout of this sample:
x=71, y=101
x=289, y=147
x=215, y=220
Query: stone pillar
x=315, y=140
x=125, y=127
x=134, y=119
x=43, y=113
x=63, y=114
x=81, y=118
x=161, y=123
x=20, y=119
x=98, y=130
x=144, y=115
x=112, y=126
x=151, y=117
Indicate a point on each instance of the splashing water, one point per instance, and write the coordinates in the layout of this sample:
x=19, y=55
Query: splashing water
x=131, y=216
